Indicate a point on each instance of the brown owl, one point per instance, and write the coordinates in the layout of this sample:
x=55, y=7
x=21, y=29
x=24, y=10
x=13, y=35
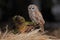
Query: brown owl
x=36, y=16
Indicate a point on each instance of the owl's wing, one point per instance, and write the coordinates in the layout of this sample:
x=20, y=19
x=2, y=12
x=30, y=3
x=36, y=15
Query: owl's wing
x=39, y=17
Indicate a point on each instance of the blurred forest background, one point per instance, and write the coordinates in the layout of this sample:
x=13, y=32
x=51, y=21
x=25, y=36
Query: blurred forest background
x=50, y=10
x=9, y=8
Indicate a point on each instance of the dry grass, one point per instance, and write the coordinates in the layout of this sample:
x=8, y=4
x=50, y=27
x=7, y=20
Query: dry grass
x=33, y=35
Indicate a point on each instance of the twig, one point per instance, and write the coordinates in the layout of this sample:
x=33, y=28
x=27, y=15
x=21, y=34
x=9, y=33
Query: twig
x=5, y=32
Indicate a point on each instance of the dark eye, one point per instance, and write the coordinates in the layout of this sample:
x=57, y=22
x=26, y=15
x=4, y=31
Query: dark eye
x=29, y=8
x=32, y=8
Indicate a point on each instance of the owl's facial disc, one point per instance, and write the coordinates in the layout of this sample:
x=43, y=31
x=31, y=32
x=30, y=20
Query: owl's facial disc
x=31, y=8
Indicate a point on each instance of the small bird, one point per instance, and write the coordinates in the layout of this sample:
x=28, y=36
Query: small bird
x=21, y=24
x=36, y=16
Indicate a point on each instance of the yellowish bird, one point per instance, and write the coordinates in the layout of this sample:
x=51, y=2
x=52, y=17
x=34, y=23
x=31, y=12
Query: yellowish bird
x=21, y=24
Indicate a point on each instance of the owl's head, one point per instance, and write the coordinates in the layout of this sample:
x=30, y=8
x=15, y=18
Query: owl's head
x=32, y=7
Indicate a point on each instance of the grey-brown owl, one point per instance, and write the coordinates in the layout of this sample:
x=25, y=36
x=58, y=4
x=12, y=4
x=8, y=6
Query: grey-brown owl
x=36, y=16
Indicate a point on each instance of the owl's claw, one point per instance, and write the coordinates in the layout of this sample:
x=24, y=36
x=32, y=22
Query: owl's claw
x=42, y=32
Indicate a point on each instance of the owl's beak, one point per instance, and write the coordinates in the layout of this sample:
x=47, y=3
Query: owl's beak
x=33, y=10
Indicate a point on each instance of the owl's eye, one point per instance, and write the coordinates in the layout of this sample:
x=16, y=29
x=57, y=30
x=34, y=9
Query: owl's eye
x=29, y=8
x=32, y=8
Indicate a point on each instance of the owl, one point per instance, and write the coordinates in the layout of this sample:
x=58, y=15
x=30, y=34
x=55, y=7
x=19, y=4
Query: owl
x=36, y=16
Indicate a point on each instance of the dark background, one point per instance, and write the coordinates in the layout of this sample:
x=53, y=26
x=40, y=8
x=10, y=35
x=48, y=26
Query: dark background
x=10, y=8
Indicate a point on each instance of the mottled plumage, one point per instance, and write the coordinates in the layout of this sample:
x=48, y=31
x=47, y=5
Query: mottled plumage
x=36, y=16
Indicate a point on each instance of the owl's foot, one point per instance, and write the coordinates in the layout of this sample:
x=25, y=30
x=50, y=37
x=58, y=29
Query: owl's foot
x=42, y=31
